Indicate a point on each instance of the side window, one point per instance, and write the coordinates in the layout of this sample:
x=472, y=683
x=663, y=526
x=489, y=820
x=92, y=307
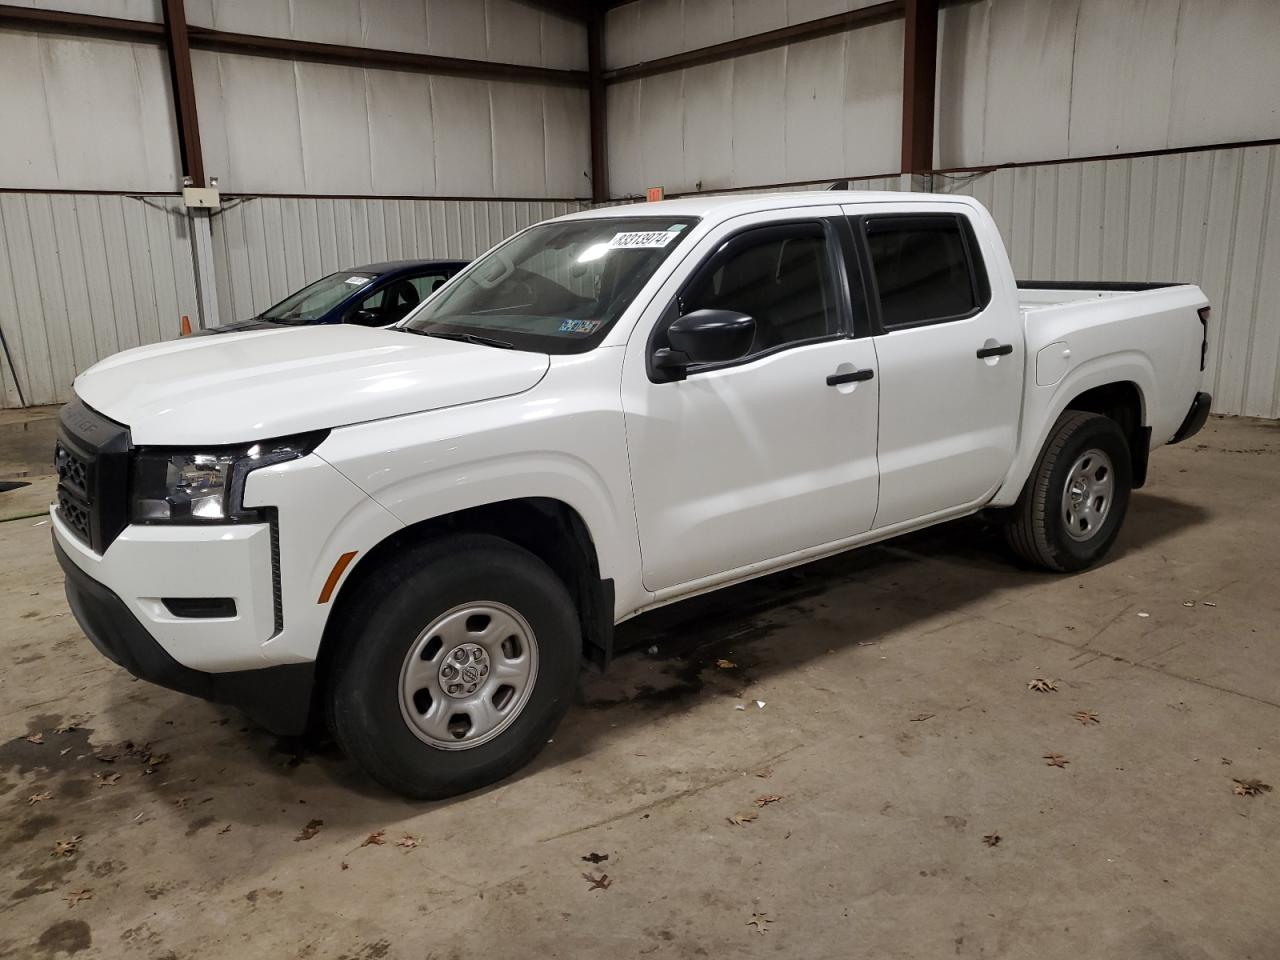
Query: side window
x=368, y=311
x=926, y=267
x=780, y=276
x=428, y=283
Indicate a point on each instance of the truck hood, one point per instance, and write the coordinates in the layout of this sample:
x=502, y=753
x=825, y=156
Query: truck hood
x=273, y=383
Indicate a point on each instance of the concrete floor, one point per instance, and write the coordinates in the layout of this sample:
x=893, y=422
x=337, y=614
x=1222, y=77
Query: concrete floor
x=897, y=730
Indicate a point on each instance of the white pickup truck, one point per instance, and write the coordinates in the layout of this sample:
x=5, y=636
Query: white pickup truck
x=420, y=532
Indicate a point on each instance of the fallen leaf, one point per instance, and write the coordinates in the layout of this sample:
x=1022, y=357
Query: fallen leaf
x=75, y=896
x=725, y=664
x=1085, y=717
x=741, y=819
x=992, y=839
x=407, y=842
x=65, y=848
x=601, y=882
x=38, y=797
x=376, y=839
x=34, y=738
x=1042, y=685
x=758, y=920
x=767, y=799
x=309, y=831
x=106, y=779
x=1055, y=760
x=765, y=773
x=1250, y=788
x=226, y=829
x=921, y=717
x=595, y=858
x=69, y=725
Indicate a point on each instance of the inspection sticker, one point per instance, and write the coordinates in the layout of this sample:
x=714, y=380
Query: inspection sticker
x=358, y=281
x=579, y=326
x=653, y=239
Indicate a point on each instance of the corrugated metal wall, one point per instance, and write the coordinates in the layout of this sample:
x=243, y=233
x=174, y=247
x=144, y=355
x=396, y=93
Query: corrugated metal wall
x=264, y=248
x=83, y=276
x=1211, y=218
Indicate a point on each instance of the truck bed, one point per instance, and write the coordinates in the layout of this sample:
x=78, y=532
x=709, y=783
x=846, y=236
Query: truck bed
x=1051, y=293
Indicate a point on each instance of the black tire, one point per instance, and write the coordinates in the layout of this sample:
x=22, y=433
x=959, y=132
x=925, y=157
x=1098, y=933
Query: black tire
x=1037, y=531
x=395, y=605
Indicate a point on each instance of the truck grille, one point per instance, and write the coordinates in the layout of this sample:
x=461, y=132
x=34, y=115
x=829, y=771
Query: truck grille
x=92, y=461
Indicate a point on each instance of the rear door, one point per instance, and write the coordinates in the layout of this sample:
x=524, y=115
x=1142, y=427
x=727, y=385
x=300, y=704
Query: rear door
x=950, y=360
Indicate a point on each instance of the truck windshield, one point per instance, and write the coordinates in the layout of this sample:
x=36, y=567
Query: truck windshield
x=317, y=299
x=556, y=288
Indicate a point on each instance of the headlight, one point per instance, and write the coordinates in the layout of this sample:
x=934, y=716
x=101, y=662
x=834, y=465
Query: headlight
x=205, y=486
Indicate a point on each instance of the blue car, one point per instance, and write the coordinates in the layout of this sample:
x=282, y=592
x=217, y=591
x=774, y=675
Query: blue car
x=371, y=296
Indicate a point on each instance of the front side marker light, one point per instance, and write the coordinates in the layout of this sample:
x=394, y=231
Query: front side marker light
x=336, y=574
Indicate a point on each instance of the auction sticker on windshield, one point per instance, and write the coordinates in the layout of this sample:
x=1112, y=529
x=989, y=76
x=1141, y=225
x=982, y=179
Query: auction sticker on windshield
x=653, y=240
x=579, y=326
x=357, y=280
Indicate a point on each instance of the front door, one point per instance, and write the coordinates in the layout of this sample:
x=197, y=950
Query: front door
x=951, y=359
x=761, y=457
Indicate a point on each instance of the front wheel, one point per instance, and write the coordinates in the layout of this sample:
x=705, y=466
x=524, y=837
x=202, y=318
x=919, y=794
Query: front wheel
x=1071, y=509
x=458, y=660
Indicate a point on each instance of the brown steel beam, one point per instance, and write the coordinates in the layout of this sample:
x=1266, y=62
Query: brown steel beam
x=919, y=76
x=596, y=104
x=334, y=53
x=783, y=36
x=79, y=24
x=184, y=91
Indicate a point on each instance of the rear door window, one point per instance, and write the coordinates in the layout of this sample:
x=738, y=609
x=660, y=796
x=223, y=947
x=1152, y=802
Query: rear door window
x=926, y=269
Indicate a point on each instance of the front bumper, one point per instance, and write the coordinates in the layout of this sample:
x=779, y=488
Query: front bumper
x=1195, y=418
x=278, y=697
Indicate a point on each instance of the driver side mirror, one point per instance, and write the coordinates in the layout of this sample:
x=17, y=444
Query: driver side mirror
x=365, y=318
x=704, y=336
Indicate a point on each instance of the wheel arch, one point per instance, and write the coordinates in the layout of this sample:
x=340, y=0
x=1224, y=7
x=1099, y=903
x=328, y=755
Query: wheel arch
x=550, y=529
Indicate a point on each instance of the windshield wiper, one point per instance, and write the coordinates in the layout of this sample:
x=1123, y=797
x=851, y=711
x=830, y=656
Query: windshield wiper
x=466, y=338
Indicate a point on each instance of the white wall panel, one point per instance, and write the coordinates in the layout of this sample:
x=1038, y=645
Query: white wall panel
x=85, y=114
x=126, y=9
x=498, y=30
x=275, y=126
x=83, y=276
x=1211, y=218
x=265, y=248
x=826, y=108
x=1026, y=80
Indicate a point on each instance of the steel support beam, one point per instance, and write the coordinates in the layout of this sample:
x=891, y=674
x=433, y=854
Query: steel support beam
x=919, y=75
x=184, y=91
x=598, y=110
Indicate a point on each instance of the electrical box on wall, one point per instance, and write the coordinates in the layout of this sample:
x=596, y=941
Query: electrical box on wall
x=207, y=197
x=654, y=194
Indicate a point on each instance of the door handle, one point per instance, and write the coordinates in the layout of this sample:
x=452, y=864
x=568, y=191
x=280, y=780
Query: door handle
x=1003, y=350
x=854, y=376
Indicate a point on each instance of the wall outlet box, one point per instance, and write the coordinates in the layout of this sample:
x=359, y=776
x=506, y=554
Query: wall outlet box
x=207, y=197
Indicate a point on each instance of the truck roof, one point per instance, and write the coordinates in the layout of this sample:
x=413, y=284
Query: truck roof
x=730, y=205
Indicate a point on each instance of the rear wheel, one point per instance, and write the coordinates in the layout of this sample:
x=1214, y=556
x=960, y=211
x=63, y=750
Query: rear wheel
x=1071, y=509
x=458, y=660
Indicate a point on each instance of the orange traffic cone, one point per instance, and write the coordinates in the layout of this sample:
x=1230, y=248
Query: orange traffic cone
x=186, y=325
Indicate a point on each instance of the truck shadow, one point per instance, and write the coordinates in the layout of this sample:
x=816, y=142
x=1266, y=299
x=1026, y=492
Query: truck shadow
x=666, y=660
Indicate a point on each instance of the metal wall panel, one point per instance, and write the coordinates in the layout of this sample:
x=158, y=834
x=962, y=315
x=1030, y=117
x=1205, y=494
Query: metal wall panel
x=649, y=29
x=498, y=30
x=1026, y=80
x=824, y=108
x=267, y=247
x=126, y=9
x=85, y=114
x=276, y=126
x=83, y=276
x=1211, y=218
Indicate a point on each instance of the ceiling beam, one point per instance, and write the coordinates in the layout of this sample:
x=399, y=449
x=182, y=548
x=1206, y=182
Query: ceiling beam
x=79, y=24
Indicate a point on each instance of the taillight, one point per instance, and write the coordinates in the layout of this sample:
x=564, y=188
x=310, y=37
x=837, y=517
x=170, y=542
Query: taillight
x=1204, y=338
